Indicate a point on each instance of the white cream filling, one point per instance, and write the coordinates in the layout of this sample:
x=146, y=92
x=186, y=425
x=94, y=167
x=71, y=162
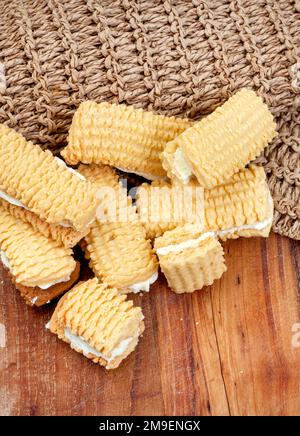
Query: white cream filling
x=80, y=344
x=12, y=200
x=145, y=175
x=181, y=167
x=63, y=164
x=5, y=261
x=48, y=285
x=65, y=224
x=192, y=243
x=145, y=285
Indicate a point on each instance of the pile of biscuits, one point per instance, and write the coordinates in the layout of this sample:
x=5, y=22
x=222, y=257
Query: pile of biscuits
x=47, y=208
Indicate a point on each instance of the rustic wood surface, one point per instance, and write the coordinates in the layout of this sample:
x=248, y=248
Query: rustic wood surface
x=225, y=350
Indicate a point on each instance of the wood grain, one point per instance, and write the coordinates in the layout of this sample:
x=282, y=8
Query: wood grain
x=224, y=350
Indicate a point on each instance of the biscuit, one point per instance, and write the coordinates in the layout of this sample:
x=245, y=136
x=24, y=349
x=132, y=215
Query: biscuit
x=33, y=259
x=98, y=322
x=115, y=206
x=117, y=248
x=43, y=184
x=189, y=259
x=121, y=136
x=35, y=296
x=162, y=206
x=241, y=207
x=223, y=143
x=66, y=236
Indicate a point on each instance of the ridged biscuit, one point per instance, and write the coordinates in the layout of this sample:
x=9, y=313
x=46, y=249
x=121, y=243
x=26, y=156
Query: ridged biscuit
x=115, y=206
x=162, y=206
x=35, y=296
x=43, y=184
x=118, y=250
x=120, y=255
x=121, y=136
x=224, y=142
x=241, y=207
x=189, y=259
x=33, y=259
x=66, y=236
x=101, y=175
x=99, y=322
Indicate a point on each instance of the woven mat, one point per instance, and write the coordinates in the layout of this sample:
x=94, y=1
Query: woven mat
x=175, y=57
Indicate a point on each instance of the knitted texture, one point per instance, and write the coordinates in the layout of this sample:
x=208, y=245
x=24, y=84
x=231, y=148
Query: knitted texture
x=178, y=57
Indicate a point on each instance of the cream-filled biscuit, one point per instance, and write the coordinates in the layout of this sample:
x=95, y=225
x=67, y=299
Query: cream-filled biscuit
x=189, y=259
x=36, y=180
x=121, y=136
x=117, y=248
x=223, y=143
x=99, y=322
x=34, y=260
x=241, y=207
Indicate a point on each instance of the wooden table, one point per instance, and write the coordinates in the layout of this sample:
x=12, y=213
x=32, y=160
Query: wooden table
x=228, y=349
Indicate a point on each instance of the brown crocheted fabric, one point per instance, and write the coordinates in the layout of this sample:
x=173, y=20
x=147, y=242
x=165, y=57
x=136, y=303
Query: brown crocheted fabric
x=174, y=57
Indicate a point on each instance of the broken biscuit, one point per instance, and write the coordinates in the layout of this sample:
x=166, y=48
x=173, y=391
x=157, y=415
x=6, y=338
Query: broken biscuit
x=189, y=259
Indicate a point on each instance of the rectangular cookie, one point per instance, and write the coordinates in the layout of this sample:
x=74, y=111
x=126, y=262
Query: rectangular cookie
x=66, y=236
x=39, y=265
x=98, y=322
x=162, y=206
x=117, y=248
x=221, y=144
x=241, y=207
x=121, y=136
x=189, y=259
x=36, y=180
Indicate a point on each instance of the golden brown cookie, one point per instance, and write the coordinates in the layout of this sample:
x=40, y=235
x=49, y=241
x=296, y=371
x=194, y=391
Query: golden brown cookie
x=121, y=136
x=241, y=207
x=36, y=180
x=223, y=143
x=162, y=206
x=116, y=246
x=189, y=259
x=98, y=322
x=66, y=236
x=33, y=259
x=38, y=297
